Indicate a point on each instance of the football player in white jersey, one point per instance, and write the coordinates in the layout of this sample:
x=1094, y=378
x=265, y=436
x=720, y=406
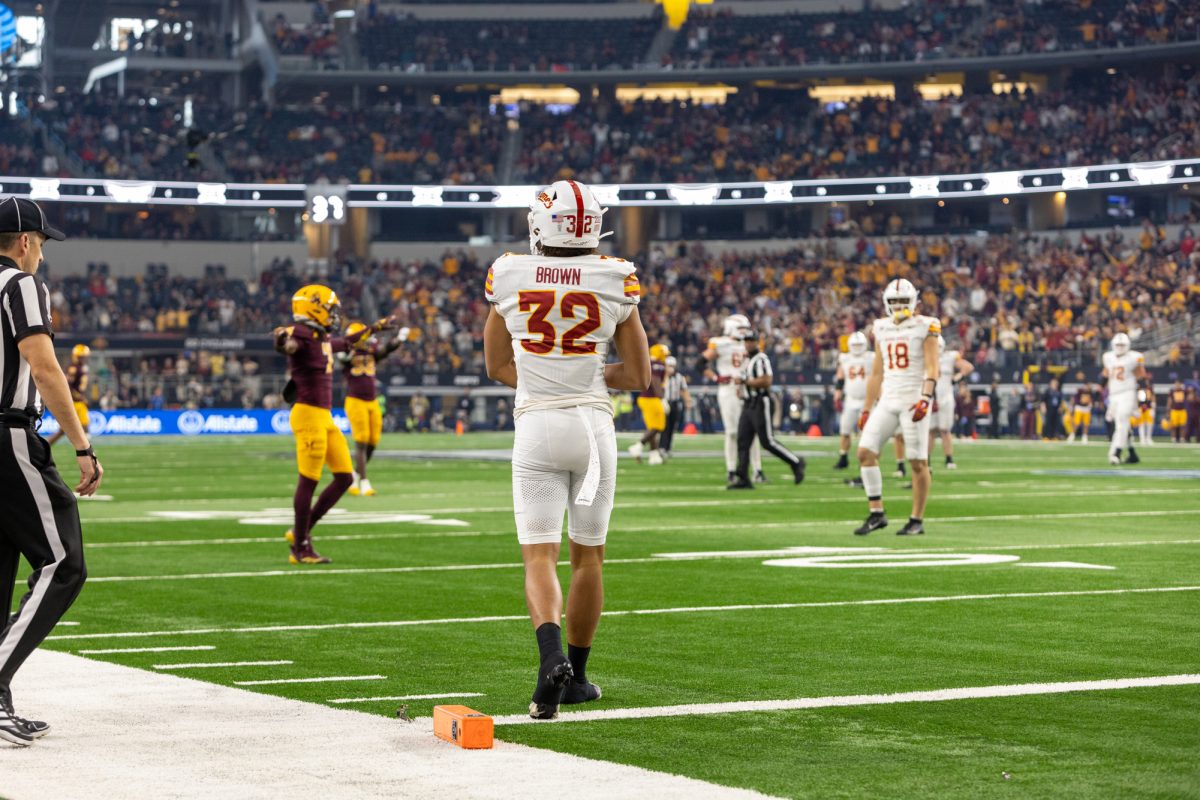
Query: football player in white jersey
x=722, y=362
x=555, y=314
x=1123, y=368
x=903, y=381
x=851, y=390
x=952, y=368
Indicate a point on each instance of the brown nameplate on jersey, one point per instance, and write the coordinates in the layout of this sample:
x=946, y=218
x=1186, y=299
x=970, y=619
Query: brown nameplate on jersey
x=571, y=275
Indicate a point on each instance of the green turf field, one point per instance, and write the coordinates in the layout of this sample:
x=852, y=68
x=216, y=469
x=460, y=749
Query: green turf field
x=425, y=598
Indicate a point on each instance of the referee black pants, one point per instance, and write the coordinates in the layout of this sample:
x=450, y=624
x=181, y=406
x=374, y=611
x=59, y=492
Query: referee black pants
x=674, y=417
x=40, y=521
x=756, y=422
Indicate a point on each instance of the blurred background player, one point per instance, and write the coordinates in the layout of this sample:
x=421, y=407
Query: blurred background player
x=565, y=447
x=1142, y=420
x=679, y=402
x=756, y=422
x=1123, y=368
x=309, y=348
x=1081, y=412
x=362, y=404
x=653, y=407
x=77, y=379
x=903, y=381
x=722, y=362
x=951, y=363
x=1177, y=410
x=851, y=390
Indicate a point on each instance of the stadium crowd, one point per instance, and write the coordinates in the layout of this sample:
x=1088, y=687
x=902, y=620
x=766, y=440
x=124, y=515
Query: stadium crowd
x=756, y=135
x=1006, y=301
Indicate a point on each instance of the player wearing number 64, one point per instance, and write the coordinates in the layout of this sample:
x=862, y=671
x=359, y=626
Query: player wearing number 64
x=555, y=313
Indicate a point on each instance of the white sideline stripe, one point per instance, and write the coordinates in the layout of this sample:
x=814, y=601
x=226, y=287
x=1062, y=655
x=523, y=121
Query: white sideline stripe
x=851, y=497
x=283, y=573
x=344, y=700
x=216, y=664
x=404, y=623
x=936, y=696
x=770, y=552
x=1063, y=565
x=352, y=537
x=135, y=733
x=330, y=679
x=143, y=650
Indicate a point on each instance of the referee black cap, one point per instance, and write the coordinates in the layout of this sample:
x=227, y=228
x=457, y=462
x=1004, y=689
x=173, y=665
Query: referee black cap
x=18, y=215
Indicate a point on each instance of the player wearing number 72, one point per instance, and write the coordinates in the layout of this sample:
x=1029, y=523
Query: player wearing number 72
x=554, y=316
x=903, y=381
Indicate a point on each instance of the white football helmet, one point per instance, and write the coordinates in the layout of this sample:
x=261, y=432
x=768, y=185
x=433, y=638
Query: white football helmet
x=858, y=343
x=1120, y=344
x=900, y=299
x=566, y=214
x=737, y=326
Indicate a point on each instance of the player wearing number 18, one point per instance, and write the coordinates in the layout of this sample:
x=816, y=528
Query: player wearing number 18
x=903, y=381
x=555, y=314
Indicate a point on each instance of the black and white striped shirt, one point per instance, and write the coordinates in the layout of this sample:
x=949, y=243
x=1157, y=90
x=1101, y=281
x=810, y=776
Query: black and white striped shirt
x=24, y=310
x=674, y=388
x=756, y=367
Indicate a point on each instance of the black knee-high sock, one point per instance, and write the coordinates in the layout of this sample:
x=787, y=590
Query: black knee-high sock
x=578, y=657
x=549, y=639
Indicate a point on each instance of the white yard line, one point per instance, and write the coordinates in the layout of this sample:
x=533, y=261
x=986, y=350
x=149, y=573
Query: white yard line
x=437, y=696
x=852, y=496
x=405, y=623
x=329, y=679
x=292, y=573
x=115, y=650
x=123, y=732
x=223, y=664
x=936, y=696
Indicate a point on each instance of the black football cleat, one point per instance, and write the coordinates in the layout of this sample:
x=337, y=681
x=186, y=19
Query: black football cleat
x=1132, y=458
x=914, y=527
x=843, y=461
x=760, y=477
x=34, y=728
x=854, y=482
x=580, y=692
x=798, y=471
x=553, y=677
x=12, y=728
x=740, y=483
x=876, y=520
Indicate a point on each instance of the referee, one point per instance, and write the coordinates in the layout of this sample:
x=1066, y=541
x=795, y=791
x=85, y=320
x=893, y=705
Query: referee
x=678, y=400
x=756, y=418
x=38, y=514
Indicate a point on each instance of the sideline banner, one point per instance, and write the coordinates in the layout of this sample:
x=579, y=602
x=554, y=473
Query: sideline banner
x=201, y=422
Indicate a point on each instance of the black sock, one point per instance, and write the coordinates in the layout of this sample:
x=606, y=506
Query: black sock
x=1132, y=452
x=579, y=657
x=915, y=519
x=549, y=638
x=949, y=459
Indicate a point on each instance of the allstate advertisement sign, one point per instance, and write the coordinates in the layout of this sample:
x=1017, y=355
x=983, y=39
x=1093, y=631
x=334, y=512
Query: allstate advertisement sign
x=202, y=422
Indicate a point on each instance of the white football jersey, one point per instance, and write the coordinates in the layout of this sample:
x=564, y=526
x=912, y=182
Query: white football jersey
x=1121, y=369
x=903, y=349
x=855, y=370
x=946, y=370
x=730, y=355
x=562, y=314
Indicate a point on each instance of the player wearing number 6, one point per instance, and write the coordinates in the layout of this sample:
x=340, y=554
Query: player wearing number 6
x=554, y=316
x=903, y=381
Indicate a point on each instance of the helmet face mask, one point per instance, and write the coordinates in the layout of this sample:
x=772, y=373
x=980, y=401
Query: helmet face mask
x=900, y=300
x=1121, y=344
x=317, y=305
x=567, y=215
x=80, y=351
x=858, y=343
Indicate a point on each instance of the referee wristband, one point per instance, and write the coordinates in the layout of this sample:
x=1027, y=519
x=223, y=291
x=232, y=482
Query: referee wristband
x=86, y=452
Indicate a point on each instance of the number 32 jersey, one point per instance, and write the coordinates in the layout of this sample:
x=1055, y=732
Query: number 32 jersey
x=902, y=348
x=562, y=314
